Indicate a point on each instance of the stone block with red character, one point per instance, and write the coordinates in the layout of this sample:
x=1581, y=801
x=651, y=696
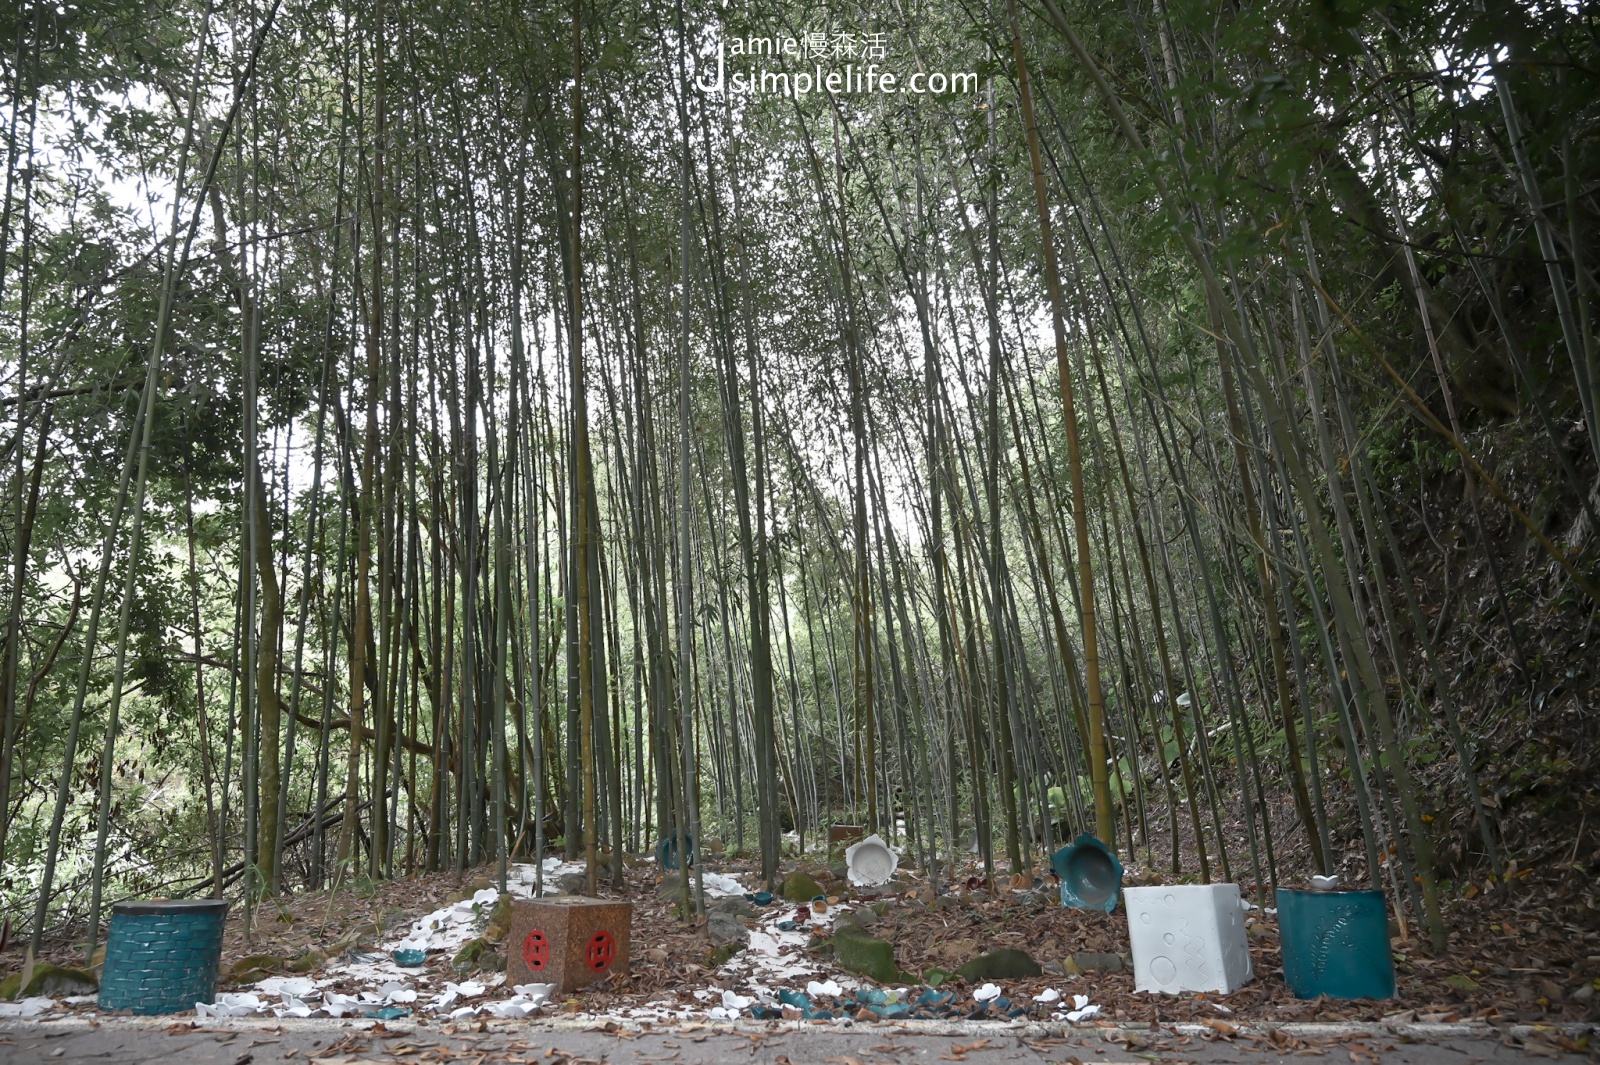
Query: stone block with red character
x=568, y=941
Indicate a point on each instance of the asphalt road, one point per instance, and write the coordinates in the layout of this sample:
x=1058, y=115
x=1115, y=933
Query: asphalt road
x=119, y=1041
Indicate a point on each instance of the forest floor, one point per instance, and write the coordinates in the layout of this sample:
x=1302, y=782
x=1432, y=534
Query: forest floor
x=1529, y=956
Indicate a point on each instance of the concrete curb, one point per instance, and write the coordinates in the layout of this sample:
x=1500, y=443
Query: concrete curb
x=1414, y=1031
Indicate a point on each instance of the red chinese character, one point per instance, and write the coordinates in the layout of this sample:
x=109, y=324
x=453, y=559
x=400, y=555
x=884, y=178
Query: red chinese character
x=536, y=950
x=602, y=951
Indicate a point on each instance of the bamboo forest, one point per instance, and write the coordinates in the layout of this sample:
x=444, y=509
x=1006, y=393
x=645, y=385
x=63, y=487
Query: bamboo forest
x=474, y=446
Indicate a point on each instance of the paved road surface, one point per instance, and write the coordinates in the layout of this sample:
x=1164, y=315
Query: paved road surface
x=119, y=1041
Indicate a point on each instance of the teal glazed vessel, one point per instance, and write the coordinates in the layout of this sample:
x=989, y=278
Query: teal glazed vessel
x=1335, y=943
x=162, y=957
x=1091, y=876
x=667, y=851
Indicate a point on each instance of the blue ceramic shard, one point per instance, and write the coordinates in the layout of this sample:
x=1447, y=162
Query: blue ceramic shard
x=1091, y=875
x=794, y=998
x=409, y=959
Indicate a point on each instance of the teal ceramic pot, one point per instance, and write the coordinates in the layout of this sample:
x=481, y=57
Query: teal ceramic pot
x=162, y=957
x=1091, y=876
x=1335, y=943
x=667, y=851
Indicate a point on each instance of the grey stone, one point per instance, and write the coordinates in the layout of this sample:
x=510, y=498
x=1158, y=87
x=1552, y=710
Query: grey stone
x=737, y=905
x=724, y=928
x=864, y=916
x=1092, y=961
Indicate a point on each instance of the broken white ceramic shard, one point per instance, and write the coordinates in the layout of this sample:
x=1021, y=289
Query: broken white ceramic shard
x=292, y=1007
x=32, y=1007
x=870, y=862
x=987, y=993
x=735, y=1002
x=825, y=987
x=514, y=1009
x=1049, y=994
x=722, y=886
x=286, y=986
x=1187, y=937
x=1082, y=1010
x=229, y=1005
x=337, y=1005
x=535, y=993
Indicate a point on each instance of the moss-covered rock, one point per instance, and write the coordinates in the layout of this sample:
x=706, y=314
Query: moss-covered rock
x=58, y=981
x=501, y=914
x=477, y=954
x=723, y=954
x=307, y=962
x=860, y=953
x=257, y=966
x=361, y=935
x=799, y=887
x=499, y=920
x=1004, y=964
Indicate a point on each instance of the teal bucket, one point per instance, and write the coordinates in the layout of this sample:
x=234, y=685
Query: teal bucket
x=162, y=957
x=1335, y=943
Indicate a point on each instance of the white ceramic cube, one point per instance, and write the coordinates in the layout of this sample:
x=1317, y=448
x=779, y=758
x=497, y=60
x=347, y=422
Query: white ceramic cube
x=1188, y=937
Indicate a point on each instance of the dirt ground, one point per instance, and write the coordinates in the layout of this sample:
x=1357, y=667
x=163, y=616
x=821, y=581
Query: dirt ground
x=1526, y=956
